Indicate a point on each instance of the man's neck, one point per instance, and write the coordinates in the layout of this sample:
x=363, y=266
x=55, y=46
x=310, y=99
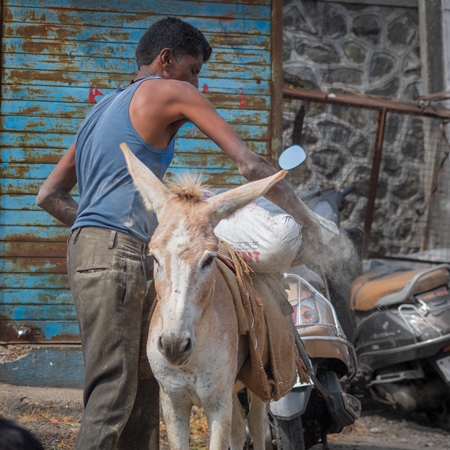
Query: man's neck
x=147, y=71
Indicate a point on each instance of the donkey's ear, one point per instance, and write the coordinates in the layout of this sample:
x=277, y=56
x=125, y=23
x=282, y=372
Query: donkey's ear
x=228, y=202
x=152, y=191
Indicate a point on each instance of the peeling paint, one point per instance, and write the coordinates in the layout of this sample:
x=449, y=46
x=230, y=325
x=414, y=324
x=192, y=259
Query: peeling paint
x=46, y=365
x=11, y=353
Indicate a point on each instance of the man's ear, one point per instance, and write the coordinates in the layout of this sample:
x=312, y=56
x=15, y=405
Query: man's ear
x=165, y=56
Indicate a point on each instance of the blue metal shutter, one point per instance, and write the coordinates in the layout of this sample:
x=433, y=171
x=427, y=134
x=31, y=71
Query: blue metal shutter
x=58, y=58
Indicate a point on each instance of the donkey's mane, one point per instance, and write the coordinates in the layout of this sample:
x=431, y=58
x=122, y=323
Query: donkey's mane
x=188, y=186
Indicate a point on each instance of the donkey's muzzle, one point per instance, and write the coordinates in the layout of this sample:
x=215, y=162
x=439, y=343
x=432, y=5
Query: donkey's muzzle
x=176, y=349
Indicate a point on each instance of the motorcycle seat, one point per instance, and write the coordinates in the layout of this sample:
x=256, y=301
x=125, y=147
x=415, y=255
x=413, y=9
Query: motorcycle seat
x=375, y=290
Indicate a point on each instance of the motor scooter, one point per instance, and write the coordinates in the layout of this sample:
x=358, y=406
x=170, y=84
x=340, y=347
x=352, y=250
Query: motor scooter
x=322, y=406
x=402, y=339
x=311, y=411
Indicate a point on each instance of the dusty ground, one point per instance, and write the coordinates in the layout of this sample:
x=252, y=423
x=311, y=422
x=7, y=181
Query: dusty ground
x=54, y=415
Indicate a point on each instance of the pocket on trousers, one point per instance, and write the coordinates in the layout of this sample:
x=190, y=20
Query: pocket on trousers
x=89, y=257
x=92, y=269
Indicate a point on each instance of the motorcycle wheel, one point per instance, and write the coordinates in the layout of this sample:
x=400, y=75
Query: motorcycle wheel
x=289, y=434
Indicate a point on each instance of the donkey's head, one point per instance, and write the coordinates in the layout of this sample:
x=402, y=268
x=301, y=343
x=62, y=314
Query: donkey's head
x=184, y=247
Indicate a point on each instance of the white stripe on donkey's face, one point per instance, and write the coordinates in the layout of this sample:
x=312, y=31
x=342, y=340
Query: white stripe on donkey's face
x=193, y=340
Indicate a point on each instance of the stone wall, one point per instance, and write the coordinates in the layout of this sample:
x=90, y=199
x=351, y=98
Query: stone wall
x=368, y=49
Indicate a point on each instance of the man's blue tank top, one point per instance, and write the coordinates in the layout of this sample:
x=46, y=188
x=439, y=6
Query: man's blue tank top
x=108, y=198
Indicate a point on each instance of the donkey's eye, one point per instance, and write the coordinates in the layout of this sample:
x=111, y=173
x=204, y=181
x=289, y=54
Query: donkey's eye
x=208, y=262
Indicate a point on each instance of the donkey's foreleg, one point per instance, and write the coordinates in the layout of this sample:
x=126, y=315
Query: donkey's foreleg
x=258, y=421
x=176, y=415
x=219, y=414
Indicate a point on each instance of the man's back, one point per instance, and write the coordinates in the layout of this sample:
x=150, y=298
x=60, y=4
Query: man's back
x=107, y=195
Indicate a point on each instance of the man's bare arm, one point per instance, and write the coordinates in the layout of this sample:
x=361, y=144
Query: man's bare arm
x=199, y=111
x=54, y=195
x=254, y=167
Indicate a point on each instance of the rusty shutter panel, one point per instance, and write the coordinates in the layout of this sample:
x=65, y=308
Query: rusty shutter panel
x=58, y=58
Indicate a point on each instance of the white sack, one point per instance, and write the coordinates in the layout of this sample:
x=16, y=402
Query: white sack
x=264, y=235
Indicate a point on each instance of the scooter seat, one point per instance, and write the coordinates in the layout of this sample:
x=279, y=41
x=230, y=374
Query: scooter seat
x=368, y=290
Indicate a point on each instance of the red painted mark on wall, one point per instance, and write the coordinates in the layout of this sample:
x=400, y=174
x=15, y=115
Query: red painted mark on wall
x=135, y=72
x=94, y=92
x=205, y=88
x=249, y=257
x=242, y=105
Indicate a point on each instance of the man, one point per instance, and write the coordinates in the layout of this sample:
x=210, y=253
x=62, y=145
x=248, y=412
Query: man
x=111, y=230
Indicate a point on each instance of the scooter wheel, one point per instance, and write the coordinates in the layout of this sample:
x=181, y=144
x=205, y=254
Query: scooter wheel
x=289, y=434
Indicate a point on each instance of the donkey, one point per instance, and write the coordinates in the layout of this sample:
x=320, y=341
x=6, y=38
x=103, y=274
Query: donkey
x=194, y=347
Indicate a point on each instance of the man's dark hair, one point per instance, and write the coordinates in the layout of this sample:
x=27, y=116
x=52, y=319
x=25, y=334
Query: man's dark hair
x=13, y=437
x=181, y=37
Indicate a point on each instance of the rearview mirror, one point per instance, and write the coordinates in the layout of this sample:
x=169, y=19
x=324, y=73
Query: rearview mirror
x=292, y=157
